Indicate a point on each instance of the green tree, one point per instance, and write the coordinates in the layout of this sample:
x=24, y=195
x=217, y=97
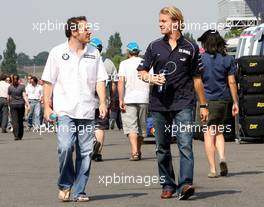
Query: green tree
x=1, y=57
x=41, y=58
x=232, y=33
x=189, y=36
x=114, y=45
x=9, y=65
x=117, y=59
x=23, y=60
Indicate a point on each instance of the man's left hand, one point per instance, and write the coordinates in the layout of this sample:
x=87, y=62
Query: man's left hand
x=204, y=114
x=103, y=111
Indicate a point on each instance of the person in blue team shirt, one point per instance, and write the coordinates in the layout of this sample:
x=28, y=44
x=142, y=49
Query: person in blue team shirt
x=219, y=85
x=177, y=71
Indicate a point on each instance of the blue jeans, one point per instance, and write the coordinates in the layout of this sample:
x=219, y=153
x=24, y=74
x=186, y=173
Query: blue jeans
x=34, y=113
x=3, y=113
x=163, y=122
x=82, y=138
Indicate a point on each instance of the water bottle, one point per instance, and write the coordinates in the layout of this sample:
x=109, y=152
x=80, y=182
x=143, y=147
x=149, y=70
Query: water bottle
x=162, y=88
x=53, y=117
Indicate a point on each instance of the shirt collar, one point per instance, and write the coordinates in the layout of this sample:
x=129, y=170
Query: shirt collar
x=68, y=49
x=181, y=38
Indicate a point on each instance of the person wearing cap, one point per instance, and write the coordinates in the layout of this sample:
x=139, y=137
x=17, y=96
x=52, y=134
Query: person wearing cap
x=220, y=88
x=73, y=72
x=103, y=124
x=133, y=100
x=177, y=76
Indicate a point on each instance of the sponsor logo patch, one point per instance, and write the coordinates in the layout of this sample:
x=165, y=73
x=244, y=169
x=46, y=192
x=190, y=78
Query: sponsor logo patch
x=185, y=51
x=252, y=65
x=89, y=56
x=253, y=126
x=65, y=56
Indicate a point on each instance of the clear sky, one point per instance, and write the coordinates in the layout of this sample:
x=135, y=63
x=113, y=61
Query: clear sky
x=135, y=20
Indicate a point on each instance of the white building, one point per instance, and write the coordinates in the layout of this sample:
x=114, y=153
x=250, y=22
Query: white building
x=240, y=13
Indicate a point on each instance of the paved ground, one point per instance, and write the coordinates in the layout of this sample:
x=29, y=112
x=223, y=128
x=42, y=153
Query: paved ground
x=28, y=173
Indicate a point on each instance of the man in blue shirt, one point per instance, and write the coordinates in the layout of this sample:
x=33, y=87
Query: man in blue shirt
x=177, y=68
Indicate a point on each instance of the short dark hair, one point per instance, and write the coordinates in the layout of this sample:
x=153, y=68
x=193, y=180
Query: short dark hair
x=134, y=52
x=15, y=80
x=213, y=42
x=3, y=77
x=72, y=25
x=35, y=79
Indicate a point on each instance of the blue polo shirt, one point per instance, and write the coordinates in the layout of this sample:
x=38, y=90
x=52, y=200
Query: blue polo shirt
x=182, y=63
x=215, y=75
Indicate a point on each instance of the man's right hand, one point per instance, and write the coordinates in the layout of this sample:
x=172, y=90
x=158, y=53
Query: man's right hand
x=122, y=106
x=47, y=112
x=158, y=79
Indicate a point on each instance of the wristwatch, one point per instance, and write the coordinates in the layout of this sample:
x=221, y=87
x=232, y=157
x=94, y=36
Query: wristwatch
x=204, y=106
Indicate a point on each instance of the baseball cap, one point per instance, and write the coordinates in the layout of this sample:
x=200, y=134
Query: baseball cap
x=133, y=47
x=96, y=42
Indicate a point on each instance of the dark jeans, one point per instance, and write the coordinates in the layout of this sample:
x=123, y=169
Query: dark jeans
x=163, y=122
x=3, y=113
x=17, y=114
x=115, y=116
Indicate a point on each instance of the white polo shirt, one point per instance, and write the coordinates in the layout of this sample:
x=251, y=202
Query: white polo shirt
x=136, y=90
x=34, y=92
x=4, y=89
x=74, y=80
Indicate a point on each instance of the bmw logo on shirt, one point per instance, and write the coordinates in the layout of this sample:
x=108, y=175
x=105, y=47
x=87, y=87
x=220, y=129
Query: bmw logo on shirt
x=65, y=56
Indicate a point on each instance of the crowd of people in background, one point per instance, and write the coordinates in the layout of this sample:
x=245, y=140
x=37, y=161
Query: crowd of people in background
x=21, y=105
x=19, y=102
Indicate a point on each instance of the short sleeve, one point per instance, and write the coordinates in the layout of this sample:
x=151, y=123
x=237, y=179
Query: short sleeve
x=147, y=62
x=197, y=65
x=114, y=76
x=232, y=68
x=23, y=88
x=121, y=71
x=101, y=71
x=26, y=89
x=51, y=69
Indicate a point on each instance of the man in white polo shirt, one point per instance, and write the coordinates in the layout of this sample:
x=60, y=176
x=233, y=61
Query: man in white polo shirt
x=73, y=72
x=35, y=93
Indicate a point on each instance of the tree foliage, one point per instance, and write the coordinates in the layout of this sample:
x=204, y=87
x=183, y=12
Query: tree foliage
x=114, y=46
x=235, y=32
x=118, y=58
x=189, y=36
x=41, y=58
x=24, y=60
x=9, y=64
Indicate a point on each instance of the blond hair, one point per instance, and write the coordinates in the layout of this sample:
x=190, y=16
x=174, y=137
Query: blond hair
x=175, y=15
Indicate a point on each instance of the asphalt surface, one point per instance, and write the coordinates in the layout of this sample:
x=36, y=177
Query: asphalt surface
x=29, y=170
